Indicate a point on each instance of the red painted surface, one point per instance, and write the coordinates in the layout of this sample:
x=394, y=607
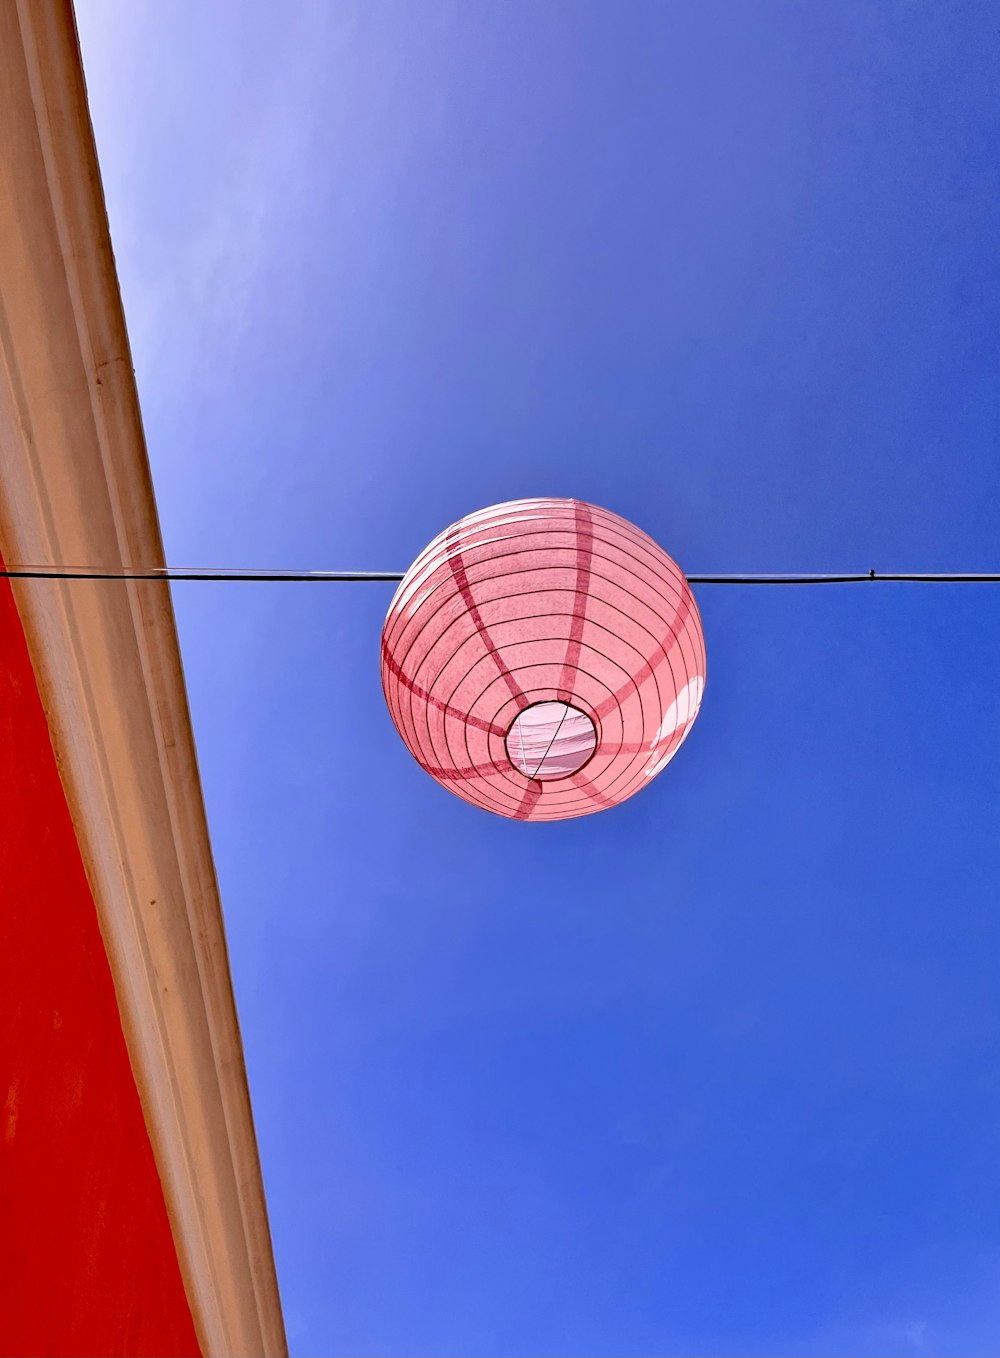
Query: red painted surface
x=87, y=1259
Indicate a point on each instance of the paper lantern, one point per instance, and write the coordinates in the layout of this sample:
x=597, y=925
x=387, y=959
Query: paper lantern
x=543, y=659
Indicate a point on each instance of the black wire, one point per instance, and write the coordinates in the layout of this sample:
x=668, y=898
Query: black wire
x=178, y=574
x=534, y=776
x=924, y=579
x=181, y=573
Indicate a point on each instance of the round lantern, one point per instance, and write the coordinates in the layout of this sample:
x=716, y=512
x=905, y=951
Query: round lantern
x=543, y=659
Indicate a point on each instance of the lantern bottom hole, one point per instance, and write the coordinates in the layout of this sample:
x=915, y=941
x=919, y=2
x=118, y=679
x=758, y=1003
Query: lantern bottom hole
x=550, y=740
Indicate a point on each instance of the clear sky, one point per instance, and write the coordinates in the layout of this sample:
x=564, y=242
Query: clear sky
x=717, y=1072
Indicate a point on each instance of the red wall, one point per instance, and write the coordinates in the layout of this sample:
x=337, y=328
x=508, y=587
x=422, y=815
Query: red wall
x=87, y=1260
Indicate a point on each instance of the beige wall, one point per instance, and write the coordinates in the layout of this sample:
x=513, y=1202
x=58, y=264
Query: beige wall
x=75, y=489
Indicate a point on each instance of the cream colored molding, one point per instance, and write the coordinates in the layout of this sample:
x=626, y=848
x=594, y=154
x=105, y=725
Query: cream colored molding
x=75, y=488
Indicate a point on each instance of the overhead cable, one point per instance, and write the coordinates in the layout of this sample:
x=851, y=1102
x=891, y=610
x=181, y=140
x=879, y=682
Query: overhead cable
x=177, y=574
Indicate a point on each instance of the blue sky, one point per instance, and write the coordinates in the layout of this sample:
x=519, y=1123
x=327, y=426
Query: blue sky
x=716, y=1072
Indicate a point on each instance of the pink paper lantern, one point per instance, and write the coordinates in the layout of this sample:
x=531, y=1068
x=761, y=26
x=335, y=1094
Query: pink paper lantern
x=543, y=659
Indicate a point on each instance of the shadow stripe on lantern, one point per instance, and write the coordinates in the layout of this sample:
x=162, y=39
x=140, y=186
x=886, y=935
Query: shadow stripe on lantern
x=630, y=661
x=652, y=664
x=651, y=558
x=674, y=587
x=677, y=597
x=674, y=580
x=529, y=802
x=554, y=789
x=612, y=527
x=457, y=568
x=632, y=772
x=427, y=697
x=584, y=553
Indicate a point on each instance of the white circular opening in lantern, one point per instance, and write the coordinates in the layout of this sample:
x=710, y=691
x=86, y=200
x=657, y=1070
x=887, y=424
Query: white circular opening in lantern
x=550, y=740
x=543, y=659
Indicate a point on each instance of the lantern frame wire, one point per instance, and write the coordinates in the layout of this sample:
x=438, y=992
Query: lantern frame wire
x=567, y=602
x=552, y=741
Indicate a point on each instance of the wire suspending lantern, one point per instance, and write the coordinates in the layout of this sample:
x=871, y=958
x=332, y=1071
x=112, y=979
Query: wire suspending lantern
x=543, y=659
